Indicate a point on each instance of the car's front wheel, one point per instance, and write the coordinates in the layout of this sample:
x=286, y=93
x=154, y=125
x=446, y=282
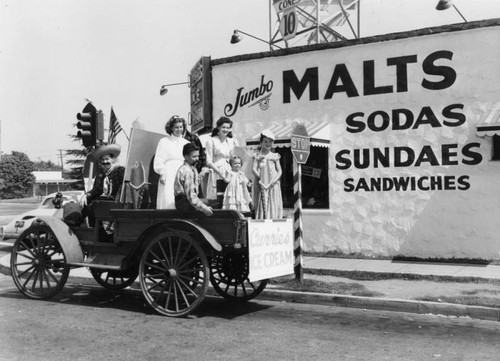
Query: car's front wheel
x=38, y=263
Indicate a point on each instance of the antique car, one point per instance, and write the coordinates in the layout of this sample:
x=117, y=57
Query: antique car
x=175, y=255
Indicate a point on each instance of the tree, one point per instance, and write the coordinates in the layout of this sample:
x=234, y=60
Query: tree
x=49, y=165
x=16, y=175
x=76, y=162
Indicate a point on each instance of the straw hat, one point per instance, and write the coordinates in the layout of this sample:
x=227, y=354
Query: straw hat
x=113, y=149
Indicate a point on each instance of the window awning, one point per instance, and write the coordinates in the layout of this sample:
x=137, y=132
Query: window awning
x=319, y=134
x=489, y=125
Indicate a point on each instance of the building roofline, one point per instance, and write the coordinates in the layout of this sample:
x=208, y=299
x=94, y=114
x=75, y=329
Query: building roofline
x=368, y=40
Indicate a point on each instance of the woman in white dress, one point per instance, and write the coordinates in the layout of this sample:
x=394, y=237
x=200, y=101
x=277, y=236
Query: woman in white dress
x=168, y=159
x=220, y=147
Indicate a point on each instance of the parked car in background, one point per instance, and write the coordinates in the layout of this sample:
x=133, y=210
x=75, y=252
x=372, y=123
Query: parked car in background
x=46, y=208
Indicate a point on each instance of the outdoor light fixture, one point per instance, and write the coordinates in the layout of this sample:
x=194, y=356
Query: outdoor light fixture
x=236, y=38
x=164, y=88
x=446, y=4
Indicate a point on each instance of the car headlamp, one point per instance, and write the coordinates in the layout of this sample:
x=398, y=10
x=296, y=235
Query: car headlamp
x=19, y=224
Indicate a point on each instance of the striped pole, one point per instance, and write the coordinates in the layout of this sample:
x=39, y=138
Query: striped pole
x=297, y=221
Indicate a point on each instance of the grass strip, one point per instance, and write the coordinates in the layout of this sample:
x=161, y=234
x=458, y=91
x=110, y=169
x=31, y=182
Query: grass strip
x=378, y=276
x=289, y=283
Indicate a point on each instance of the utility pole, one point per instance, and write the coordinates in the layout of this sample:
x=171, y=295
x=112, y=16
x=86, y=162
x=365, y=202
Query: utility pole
x=61, y=156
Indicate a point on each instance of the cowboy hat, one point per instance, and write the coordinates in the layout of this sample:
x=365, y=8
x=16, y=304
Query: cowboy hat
x=113, y=149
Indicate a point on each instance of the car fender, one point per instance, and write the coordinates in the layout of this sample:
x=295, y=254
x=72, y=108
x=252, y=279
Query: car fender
x=182, y=225
x=67, y=239
x=207, y=235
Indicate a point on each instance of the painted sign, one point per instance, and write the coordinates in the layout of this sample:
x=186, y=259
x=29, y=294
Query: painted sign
x=408, y=174
x=140, y=182
x=288, y=24
x=201, y=104
x=283, y=5
x=270, y=248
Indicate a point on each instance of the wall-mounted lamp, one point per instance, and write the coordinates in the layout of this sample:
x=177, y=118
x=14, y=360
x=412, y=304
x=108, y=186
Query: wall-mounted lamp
x=446, y=4
x=236, y=38
x=164, y=88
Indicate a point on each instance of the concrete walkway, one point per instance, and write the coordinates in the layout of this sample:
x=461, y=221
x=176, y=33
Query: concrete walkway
x=399, y=267
x=492, y=272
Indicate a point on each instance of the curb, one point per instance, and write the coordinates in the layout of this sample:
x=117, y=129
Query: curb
x=373, y=303
x=398, y=275
x=384, y=304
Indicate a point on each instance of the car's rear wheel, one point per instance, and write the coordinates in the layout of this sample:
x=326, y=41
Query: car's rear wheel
x=229, y=277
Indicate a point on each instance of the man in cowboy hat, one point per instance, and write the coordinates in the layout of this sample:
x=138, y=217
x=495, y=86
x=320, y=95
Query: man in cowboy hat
x=108, y=182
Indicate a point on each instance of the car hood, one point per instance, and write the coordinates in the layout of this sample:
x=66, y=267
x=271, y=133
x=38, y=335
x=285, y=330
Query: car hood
x=39, y=212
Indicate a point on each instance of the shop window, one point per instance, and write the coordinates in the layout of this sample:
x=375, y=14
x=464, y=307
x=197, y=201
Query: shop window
x=314, y=179
x=496, y=148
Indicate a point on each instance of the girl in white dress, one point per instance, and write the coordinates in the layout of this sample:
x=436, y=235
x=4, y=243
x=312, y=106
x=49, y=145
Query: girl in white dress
x=236, y=195
x=168, y=159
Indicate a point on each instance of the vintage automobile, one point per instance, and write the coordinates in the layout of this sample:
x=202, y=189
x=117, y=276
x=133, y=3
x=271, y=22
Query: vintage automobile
x=19, y=223
x=175, y=255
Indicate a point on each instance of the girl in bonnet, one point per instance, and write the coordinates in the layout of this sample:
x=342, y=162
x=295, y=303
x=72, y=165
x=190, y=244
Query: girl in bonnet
x=267, y=171
x=236, y=195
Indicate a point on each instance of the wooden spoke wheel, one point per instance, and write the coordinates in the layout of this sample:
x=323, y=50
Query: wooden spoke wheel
x=229, y=277
x=174, y=274
x=115, y=280
x=38, y=264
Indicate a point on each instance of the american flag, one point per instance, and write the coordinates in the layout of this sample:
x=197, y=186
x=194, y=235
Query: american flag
x=114, y=127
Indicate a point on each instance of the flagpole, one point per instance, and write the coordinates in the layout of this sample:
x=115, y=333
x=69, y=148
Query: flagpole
x=125, y=133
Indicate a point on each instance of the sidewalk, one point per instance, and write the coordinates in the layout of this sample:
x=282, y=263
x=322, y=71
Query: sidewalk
x=415, y=268
x=324, y=265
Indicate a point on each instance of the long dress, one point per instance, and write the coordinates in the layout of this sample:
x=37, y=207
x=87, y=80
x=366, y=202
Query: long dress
x=236, y=195
x=168, y=159
x=268, y=204
x=218, y=154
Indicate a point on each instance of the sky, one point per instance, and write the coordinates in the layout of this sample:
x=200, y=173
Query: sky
x=55, y=54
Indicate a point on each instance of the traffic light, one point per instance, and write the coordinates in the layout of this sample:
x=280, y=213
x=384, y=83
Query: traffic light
x=87, y=125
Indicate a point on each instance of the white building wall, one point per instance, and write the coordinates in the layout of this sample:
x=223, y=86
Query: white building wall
x=459, y=222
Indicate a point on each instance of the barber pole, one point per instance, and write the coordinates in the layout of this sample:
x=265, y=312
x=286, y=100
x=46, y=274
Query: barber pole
x=297, y=221
x=300, y=144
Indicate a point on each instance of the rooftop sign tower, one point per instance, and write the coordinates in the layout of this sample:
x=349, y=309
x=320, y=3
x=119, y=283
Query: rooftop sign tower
x=304, y=22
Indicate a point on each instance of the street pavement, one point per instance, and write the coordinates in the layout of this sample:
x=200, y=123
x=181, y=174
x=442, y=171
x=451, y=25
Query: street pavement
x=328, y=264
x=5, y=219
